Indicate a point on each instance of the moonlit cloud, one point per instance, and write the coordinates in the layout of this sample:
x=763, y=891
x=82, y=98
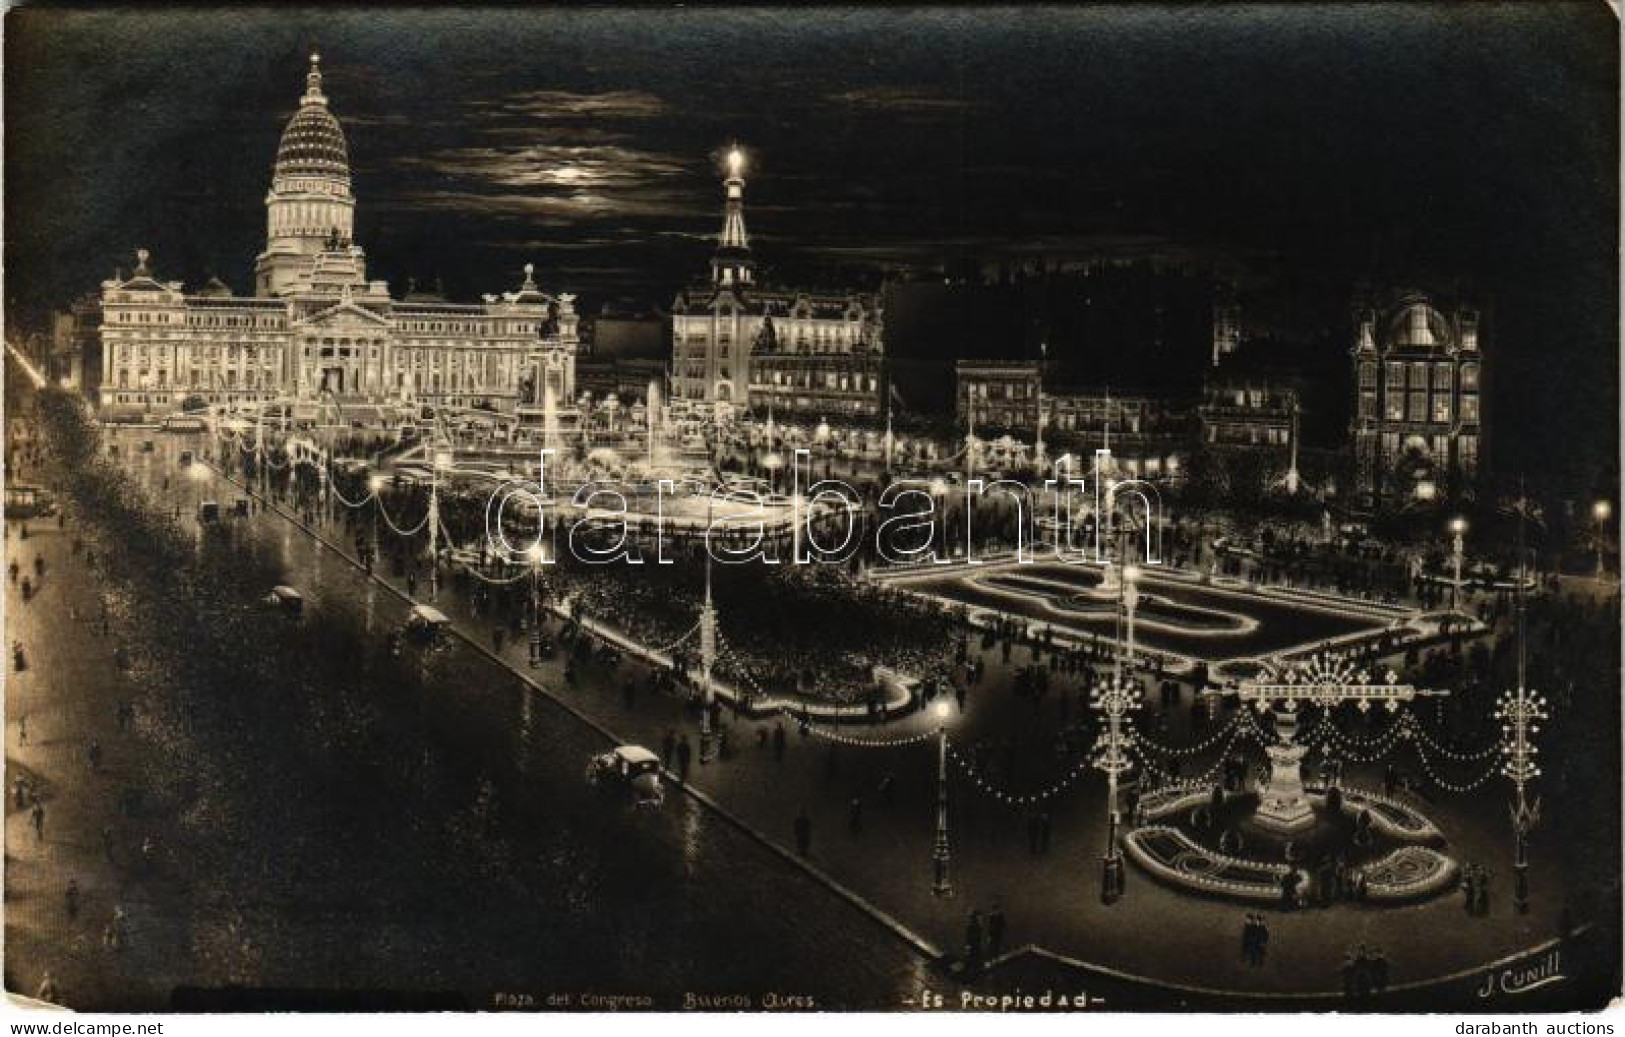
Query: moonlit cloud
x=562, y=104
x=898, y=100
x=536, y=165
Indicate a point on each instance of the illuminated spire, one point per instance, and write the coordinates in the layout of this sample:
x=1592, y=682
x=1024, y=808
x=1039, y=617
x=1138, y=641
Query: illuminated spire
x=313, y=82
x=732, y=262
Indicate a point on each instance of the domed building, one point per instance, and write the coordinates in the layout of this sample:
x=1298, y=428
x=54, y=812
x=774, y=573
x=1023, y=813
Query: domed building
x=1418, y=425
x=316, y=330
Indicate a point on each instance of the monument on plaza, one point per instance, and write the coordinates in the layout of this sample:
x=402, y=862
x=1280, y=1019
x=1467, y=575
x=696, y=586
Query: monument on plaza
x=1276, y=842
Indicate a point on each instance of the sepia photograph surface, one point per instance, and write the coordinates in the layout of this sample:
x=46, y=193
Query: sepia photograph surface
x=1089, y=509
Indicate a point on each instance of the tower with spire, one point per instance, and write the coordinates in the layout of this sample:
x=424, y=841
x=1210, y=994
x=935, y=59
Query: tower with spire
x=740, y=345
x=731, y=264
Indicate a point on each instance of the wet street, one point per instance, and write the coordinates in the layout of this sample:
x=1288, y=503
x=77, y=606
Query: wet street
x=440, y=845
x=438, y=837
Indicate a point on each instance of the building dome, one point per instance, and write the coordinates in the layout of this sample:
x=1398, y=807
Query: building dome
x=313, y=142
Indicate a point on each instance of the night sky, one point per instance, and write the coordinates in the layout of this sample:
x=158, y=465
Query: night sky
x=1446, y=145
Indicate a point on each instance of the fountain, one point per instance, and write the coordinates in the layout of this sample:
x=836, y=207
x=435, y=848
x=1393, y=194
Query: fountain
x=550, y=417
x=1277, y=843
x=654, y=417
x=1282, y=804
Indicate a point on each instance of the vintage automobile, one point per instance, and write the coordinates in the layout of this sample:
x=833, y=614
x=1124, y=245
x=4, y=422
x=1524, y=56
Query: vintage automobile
x=286, y=599
x=425, y=624
x=183, y=423
x=26, y=502
x=629, y=770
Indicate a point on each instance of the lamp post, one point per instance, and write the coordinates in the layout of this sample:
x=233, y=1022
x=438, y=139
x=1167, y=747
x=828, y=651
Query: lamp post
x=538, y=556
x=1131, y=601
x=941, y=883
x=437, y=459
x=939, y=511
x=1458, y=532
x=375, y=483
x=708, y=651
x=197, y=475
x=1113, y=700
x=1601, y=512
x=1520, y=712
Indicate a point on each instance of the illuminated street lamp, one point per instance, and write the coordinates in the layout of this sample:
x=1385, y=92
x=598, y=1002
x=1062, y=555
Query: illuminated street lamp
x=1458, y=532
x=438, y=459
x=708, y=650
x=773, y=462
x=1114, y=700
x=939, y=500
x=1601, y=512
x=1520, y=712
x=537, y=554
x=1131, y=600
x=197, y=475
x=941, y=883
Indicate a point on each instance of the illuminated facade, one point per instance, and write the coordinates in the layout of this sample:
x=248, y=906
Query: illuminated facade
x=738, y=345
x=315, y=327
x=1418, y=426
x=1148, y=434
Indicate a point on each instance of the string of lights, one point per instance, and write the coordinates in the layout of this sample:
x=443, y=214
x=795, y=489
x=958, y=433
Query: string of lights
x=1450, y=786
x=414, y=531
x=1423, y=738
x=1193, y=750
x=985, y=784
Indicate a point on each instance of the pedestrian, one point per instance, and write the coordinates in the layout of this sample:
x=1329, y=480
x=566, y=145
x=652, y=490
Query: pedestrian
x=107, y=841
x=21, y=792
x=778, y=741
x=22, y=729
x=1043, y=832
x=47, y=991
x=668, y=748
x=94, y=755
x=803, y=827
x=116, y=932
x=854, y=815
x=71, y=898
x=37, y=815
x=974, y=941
x=995, y=930
x=685, y=753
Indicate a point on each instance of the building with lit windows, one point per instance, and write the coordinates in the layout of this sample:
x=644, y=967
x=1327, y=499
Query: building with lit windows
x=1418, y=428
x=316, y=328
x=737, y=344
x=1148, y=433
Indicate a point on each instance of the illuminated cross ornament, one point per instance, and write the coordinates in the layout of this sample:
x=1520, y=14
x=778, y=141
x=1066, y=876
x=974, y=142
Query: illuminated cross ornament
x=1114, y=700
x=1325, y=681
x=1520, y=712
